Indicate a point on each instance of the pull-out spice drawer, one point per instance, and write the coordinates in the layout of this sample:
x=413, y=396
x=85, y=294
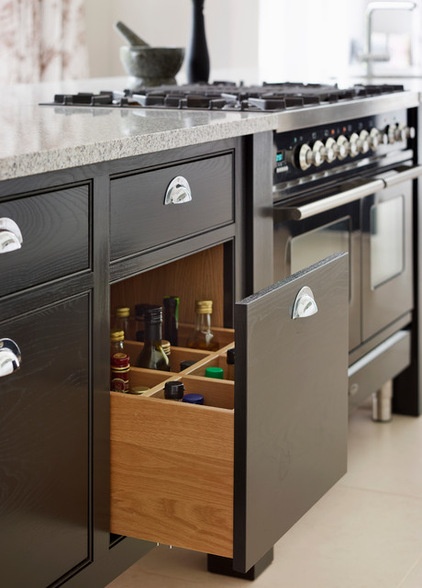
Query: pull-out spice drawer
x=183, y=200
x=172, y=468
x=232, y=482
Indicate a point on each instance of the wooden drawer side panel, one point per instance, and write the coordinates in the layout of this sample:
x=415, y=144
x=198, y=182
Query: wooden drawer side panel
x=172, y=473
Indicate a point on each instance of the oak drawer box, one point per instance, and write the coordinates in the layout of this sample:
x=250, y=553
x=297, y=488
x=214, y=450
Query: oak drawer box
x=44, y=237
x=141, y=220
x=172, y=470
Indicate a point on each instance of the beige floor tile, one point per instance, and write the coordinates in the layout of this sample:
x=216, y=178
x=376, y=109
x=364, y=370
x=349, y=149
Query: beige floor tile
x=414, y=578
x=385, y=456
x=365, y=533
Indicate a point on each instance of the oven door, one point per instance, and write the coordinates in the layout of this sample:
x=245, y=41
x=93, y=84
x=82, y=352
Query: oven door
x=303, y=238
x=387, y=271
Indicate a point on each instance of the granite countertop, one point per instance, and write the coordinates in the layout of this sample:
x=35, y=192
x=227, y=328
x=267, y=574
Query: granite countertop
x=37, y=139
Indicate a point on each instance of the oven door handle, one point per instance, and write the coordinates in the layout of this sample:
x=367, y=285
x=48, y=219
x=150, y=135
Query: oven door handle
x=329, y=203
x=401, y=174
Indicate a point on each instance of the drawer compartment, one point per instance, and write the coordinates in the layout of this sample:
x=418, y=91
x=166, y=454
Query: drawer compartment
x=231, y=477
x=172, y=469
x=55, y=237
x=138, y=208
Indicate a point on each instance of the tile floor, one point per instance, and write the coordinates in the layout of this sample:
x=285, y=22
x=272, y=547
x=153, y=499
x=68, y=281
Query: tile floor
x=365, y=533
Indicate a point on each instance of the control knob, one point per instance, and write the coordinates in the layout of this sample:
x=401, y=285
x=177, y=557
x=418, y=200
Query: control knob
x=354, y=145
x=375, y=138
x=308, y=156
x=342, y=147
x=330, y=150
x=363, y=142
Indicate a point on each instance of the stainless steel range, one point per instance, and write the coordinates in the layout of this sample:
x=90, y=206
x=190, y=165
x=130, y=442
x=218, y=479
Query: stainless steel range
x=344, y=178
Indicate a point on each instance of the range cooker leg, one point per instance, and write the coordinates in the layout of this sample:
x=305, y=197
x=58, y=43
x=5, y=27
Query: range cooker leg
x=224, y=566
x=382, y=401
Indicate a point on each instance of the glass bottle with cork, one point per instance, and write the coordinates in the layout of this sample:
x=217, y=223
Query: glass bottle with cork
x=123, y=322
x=153, y=355
x=203, y=337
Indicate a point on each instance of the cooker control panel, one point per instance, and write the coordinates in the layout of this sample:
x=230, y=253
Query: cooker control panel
x=306, y=151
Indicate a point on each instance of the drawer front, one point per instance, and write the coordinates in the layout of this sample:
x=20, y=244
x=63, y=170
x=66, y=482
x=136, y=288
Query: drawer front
x=138, y=205
x=55, y=237
x=172, y=470
x=44, y=447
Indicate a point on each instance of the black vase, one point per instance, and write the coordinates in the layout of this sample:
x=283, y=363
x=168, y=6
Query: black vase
x=198, y=61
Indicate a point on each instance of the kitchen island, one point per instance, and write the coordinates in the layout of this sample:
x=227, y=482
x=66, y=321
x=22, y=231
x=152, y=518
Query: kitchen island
x=86, y=487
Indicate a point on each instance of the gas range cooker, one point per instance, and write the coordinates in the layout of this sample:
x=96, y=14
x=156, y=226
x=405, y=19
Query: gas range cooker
x=268, y=97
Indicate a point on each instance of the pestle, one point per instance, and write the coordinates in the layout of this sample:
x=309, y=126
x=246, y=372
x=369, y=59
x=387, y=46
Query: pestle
x=129, y=35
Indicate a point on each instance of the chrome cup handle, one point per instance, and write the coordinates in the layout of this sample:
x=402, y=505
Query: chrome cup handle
x=10, y=357
x=178, y=191
x=10, y=235
x=304, y=304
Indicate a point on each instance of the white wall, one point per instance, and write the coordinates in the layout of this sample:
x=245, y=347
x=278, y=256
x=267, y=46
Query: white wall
x=250, y=40
x=232, y=32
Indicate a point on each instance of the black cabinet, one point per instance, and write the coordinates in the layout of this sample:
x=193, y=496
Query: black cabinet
x=269, y=441
x=45, y=426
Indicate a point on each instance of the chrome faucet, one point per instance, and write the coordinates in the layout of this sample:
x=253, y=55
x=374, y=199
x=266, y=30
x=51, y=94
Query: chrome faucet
x=372, y=7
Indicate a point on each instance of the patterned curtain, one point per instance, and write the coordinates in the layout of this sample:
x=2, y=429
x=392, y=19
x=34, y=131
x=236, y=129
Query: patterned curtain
x=42, y=40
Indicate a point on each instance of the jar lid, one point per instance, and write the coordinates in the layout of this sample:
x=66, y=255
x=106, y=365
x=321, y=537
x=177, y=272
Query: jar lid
x=203, y=306
x=193, y=398
x=186, y=363
x=173, y=390
x=117, y=336
x=214, y=372
x=230, y=356
x=139, y=390
x=123, y=311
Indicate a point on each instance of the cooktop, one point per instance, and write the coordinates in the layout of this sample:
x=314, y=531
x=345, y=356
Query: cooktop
x=226, y=96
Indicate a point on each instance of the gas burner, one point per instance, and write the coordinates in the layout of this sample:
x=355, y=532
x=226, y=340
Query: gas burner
x=269, y=97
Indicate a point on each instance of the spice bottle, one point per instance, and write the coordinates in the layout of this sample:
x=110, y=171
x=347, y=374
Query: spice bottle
x=119, y=364
x=152, y=355
x=230, y=363
x=122, y=321
x=203, y=337
x=171, y=319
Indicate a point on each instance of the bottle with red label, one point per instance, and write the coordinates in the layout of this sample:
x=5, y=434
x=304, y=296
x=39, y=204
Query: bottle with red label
x=119, y=363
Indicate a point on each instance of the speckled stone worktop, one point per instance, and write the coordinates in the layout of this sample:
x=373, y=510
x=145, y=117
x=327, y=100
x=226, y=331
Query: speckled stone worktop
x=37, y=139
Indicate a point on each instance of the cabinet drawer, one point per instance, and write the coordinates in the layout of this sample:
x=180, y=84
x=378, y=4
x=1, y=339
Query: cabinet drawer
x=55, y=237
x=172, y=465
x=141, y=220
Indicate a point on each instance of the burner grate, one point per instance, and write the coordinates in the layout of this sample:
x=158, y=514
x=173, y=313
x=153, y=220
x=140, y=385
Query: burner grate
x=227, y=96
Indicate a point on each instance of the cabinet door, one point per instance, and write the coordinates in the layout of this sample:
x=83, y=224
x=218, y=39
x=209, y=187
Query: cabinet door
x=290, y=405
x=44, y=448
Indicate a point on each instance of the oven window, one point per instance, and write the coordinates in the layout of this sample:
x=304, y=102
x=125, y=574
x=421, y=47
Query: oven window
x=312, y=246
x=387, y=239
